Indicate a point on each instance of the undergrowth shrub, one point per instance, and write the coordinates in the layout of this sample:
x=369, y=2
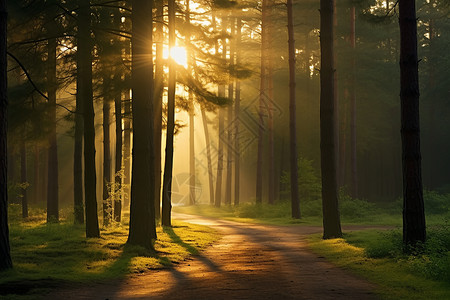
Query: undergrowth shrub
x=248, y=210
x=431, y=259
x=355, y=209
x=436, y=203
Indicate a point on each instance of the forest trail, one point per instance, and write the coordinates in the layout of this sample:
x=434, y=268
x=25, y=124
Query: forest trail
x=250, y=261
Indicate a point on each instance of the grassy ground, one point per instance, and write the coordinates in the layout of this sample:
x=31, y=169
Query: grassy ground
x=377, y=256
x=44, y=253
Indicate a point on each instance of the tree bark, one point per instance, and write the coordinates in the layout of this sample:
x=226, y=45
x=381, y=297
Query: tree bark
x=208, y=157
x=295, y=201
x=36, y=190
x=221, y=92
x=52, y=196
x=191, y=115
x=237, y=103
x=142, y=208
x=218, y=195
x=107, y=205
x=23, y=178
x=118, y=162
x=414, y=230
x=331, y=218
x=166, y=219
x=159, y=87
x=270, y=108
x=354, y=170
x=5, y=256
x=230, y=121
x=262, y=101
x=84, y=76
x=78, y=158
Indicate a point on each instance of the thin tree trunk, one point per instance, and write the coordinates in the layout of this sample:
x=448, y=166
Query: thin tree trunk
x=221, y=92
x=52, y=200
x=44, y=176
x=354, y=172
x=191, y=116
x=262, y=102
x=208, y=157
x=331, y=218
x=36, y=174
x=5, y=257
x=270, y=120
x=127, y=152
x=159, y=87
x=414, y=230
x=23, y=178
x=78, y=160
x=295, y=201
x=229, y=122
x=107, y=205
x=166, y=219
x=118, y=162
x=343, y=142
x=142, y=208
x=218, y=195
x=84, y=75
x=237, y=103
x=191, y=150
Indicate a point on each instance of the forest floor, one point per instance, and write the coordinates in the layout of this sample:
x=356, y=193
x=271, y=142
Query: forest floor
x=250, y=261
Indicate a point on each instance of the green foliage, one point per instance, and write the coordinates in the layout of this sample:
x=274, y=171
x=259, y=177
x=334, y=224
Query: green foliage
x=436, y=203
x=355, y=209
x=266, y=211
x=431, y=259
x=309, y=184
x=378, y=256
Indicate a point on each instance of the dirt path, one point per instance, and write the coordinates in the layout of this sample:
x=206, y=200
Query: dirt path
x=249, y=262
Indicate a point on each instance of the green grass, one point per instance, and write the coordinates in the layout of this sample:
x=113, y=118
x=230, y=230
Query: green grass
x=377, y=256
x=60, y=252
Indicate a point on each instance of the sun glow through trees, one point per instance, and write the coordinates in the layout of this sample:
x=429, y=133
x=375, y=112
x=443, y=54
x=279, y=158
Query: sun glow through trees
x=178, y=54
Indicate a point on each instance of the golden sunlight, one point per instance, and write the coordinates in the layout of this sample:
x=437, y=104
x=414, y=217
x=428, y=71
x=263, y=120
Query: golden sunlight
x=178, y=54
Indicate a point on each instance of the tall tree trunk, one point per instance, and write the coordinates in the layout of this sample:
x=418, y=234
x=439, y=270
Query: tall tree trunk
x=295, y=201
x=78, y=157
x=218, y=195
x=127, y=151
x=237, y=103
x=208, y=157
x=166, y=219
x=23, y=178
x=52, y=200
x=414, y=230
x=191, y=114
x=221, y=92
x=331, y=218
x=270, y=108
x=107, y=205
x=78, y=160
x=230, y=121
x=5, y=257
x=118, y=162
x=159, y=87
x=354, y=172
x=36, y=187
x=262, y=101
x=142, y=208
x=44, y=175
x=191, y=150
x=84, y=76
